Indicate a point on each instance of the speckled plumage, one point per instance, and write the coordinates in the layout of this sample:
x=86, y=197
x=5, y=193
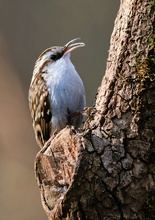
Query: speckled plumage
x=56, y=91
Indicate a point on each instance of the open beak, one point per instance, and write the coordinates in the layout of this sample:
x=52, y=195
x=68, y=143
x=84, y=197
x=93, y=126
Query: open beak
x=70, y=46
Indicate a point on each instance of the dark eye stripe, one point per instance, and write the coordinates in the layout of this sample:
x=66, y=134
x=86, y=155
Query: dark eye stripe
x=55, y=56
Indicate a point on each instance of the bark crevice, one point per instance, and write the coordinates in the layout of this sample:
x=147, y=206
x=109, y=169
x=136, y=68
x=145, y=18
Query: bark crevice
x=107, y=170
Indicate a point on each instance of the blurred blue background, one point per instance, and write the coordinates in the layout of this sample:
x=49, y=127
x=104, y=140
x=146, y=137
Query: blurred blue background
x=26, y=29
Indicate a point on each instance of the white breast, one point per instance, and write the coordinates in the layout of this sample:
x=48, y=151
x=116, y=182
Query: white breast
x=67, y=93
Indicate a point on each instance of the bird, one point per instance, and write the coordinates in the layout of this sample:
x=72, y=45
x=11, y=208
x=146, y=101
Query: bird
x=56, y=92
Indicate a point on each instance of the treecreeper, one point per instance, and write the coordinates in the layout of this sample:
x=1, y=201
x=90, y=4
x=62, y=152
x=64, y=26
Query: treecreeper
x=56, y=92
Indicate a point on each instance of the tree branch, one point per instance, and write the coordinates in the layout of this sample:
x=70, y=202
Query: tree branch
x=107, y=169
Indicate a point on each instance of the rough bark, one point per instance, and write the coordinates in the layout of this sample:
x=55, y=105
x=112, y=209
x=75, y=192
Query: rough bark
x=107, y=170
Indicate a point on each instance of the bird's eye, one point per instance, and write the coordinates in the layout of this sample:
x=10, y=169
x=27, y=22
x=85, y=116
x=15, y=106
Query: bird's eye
x=54, y=57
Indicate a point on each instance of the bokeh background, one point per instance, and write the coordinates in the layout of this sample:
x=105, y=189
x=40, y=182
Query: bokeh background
x=26, y=29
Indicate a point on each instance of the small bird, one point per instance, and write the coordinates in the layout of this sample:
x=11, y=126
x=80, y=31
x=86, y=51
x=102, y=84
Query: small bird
x=56, y=92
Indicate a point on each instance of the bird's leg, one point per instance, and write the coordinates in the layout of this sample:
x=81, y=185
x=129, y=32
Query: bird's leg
x=87, y=111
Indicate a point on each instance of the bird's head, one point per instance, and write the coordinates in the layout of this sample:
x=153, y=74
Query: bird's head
x=53, y=57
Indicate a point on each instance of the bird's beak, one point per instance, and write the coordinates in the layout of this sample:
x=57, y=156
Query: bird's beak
x=70, y=46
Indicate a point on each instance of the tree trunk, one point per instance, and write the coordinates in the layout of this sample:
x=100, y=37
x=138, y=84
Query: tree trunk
x=107, y=170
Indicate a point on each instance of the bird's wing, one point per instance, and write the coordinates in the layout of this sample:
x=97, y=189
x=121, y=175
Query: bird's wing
x=40, y=108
